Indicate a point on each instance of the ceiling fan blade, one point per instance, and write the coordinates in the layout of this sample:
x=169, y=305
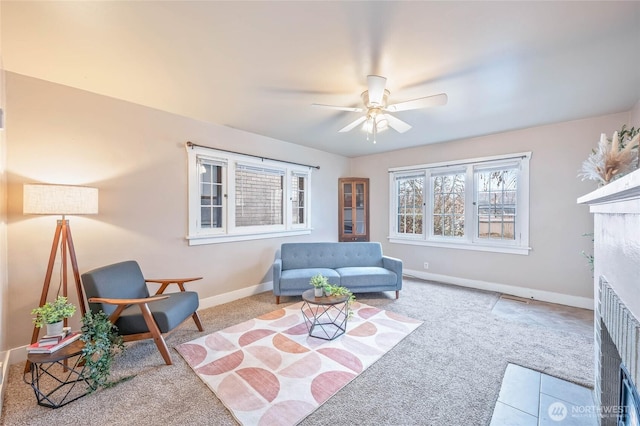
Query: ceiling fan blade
x=429, y=101
x=397, y=124
x=354, y=124
x=376, y=86
x=339, y=108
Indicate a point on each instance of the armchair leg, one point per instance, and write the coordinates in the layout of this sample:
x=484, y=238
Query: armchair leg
x=196, y=319
x=397, y=294
x=155, y=332
x=277, y=300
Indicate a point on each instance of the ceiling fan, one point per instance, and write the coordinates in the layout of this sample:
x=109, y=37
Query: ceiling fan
x=377, y=117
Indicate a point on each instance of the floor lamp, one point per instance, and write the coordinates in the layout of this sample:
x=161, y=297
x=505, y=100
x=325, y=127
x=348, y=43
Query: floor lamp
x=60, y=200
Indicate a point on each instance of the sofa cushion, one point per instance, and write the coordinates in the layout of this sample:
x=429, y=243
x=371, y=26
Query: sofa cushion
x=366, y=276
x=299, y=278
x=330, y=255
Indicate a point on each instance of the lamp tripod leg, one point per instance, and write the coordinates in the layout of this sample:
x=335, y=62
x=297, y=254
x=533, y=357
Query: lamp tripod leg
x=62, y=238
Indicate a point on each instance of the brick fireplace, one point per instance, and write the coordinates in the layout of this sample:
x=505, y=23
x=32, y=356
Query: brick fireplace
x=616, y=209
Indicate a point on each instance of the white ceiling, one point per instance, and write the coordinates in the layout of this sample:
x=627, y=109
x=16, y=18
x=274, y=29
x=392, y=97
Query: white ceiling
x=258, y=66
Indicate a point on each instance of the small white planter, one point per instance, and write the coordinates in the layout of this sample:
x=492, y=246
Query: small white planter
x=55, y=328
x=318, y=291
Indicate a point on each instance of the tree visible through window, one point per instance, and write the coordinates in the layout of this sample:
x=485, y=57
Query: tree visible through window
x=476, y=204
x=497, y=200
x=410, y=204
x=448, y=205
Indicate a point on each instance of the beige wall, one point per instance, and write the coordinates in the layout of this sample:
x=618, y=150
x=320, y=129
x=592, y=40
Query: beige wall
x=634, y=121
x=556, y=221
x=136, y=157
x=3, y=214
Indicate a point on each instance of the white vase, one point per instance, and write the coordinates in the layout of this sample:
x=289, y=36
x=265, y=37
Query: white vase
x=55, y=328
x=318, y=291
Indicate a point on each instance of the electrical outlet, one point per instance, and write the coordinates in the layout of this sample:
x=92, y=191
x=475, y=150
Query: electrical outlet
x=426, y=265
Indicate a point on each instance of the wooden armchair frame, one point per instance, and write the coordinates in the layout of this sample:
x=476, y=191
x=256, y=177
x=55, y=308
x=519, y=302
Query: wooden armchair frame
x=154, y=331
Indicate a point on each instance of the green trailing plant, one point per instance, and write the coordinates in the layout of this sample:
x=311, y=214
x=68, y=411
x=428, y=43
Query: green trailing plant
x=319, y=281
x=336, y=290
x=52, y=312
x=588, y=256
x=626, y=135
x=101, y=345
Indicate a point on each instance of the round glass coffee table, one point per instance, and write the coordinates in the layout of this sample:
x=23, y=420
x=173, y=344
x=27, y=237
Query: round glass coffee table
x=325, y=317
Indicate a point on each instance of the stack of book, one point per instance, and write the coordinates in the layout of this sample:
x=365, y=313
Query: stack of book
x=51, y=343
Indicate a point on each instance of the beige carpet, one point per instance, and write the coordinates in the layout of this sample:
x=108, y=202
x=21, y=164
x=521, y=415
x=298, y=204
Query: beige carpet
x=447, y=372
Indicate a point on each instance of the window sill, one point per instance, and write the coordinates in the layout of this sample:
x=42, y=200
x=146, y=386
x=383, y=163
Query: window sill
x=464, y=246
x=196, y=240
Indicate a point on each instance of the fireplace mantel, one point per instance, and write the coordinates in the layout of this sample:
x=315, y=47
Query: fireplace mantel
x=619, y=196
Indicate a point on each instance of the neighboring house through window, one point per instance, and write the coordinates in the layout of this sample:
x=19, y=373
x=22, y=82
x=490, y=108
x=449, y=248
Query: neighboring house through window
x=475, y=204
x=239, y=197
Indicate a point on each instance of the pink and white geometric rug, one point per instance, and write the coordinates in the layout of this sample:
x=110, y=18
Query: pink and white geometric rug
x=268, y=371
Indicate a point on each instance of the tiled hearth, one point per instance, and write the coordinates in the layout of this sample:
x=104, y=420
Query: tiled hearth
x=526, y=395
x=529, y=398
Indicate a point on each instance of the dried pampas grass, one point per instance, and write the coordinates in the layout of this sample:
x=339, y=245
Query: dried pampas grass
x=609, y=161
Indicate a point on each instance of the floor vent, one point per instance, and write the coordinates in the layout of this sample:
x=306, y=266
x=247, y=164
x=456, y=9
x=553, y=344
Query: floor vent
x=514, y=298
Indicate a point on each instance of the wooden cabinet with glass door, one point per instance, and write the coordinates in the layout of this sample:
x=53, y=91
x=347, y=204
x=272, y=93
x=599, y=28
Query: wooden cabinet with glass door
x=353, y=209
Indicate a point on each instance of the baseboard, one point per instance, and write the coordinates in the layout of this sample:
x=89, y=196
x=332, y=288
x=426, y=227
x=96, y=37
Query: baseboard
x=4, y=375
x=235, y=295
x=528, y=293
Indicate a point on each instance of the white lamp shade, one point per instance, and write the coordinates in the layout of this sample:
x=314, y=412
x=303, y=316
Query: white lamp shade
x=59, y=199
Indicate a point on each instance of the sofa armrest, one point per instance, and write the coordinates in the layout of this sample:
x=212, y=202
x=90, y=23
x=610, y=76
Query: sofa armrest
x=277, y=273
x=395, y=265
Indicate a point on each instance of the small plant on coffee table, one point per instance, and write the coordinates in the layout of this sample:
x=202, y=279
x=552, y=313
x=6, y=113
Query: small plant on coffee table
x=319, y=283
x=336, y=290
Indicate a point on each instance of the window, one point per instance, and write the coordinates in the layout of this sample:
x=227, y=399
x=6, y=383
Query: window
x=496, y=194
x=237, y=197
x=410, y=201
x=476, y=204
x=259, y=196
x=448, y=204
x=298, y=196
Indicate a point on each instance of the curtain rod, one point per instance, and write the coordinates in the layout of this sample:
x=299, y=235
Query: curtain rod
x=191, y=145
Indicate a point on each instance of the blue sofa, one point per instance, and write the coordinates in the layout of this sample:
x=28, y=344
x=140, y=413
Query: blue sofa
x=359, y=266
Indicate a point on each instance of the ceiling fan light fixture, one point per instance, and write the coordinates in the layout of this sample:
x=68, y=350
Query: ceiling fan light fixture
x=378, y=113
x=381, y=123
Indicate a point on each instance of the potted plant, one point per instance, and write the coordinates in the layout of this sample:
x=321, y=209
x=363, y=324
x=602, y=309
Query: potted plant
x=319, y=283
x=101, y=345
x=336, y=290
x=52, y=315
